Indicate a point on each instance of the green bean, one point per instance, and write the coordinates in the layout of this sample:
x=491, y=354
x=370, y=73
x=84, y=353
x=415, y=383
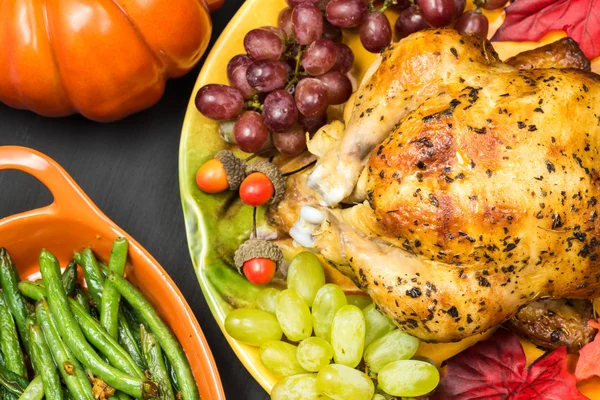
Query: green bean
x=42, y=359
x=10, y=340
x=156, y=365
x=83, y=298
x=35, y=390
x=109, y=311
x=70, y=369
x=105, y=343
x=93, y=276
x=69, y=277
x=12, y=382
x=93, y=331
x=75, y=340
x=172, y=375
x=9, y=278
x=32, y=290
x=127, y=340
x=164, y=336
x=133, y=321
x=122, y=396
x=67, y=395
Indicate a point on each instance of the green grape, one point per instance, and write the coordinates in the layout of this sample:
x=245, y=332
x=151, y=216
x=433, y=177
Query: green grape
x=306, y=276
x=394, y=346
x=297, y=387
x=376, y=324
x=330, y=298
x=266, y=300
x=293, y=315
x=314, y=353
x=378, y=396
x=424, y=359
x=358, y=301
x=408, y=378
x=280, y=358
x=252, y=326
x=348, y=336
x=344, y=383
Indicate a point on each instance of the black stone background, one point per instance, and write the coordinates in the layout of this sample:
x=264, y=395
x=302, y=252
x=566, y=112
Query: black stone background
x=129, y=169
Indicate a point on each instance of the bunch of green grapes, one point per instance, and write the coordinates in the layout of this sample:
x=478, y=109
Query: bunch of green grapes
x=302, y=329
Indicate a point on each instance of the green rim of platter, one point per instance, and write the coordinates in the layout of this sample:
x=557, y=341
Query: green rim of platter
x=216, y=224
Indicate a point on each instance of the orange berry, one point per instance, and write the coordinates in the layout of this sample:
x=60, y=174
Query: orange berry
x=211, y=177
x=257, y=189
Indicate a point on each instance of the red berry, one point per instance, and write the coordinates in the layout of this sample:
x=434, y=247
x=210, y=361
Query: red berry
x=260, y=271
x=257, y=189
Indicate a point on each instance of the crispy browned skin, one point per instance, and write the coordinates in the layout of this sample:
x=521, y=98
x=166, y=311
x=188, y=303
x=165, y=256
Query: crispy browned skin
x=564, y=53
x=553, y=323
x=482, y=186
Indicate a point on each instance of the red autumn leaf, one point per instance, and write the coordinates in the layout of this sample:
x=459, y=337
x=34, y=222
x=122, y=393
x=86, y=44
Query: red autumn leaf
x=588, y=365
x=495, y=369
x=532, y=19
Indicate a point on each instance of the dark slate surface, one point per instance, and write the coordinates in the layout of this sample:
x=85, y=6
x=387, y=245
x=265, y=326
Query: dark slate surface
x=129, y=169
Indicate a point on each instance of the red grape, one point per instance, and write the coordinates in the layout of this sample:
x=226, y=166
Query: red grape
x=402, y=5
x=437, y=13
x=312, y=124
x=344, y=59
x=290, y=142
x=311, y=97
x=473, y=22
x=375, y=32
x=267, y=75
x=346, y=13
x=331, y=32
x=307, y=23
x=409, y=22
x=284, y=21
x=236, y=73
x=279, y=111
x=319, y=57
x=219, y=102
x=294, y=3
x=493, y=4
x=264, y=43
x=459, y=5
x=250, y=132
x=339, y=87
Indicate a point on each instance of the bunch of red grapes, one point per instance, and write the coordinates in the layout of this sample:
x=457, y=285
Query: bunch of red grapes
x=422, y=14
x=281, y=88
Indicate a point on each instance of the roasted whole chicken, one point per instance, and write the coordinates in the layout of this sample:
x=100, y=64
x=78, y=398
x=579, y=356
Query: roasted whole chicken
x=463, y=189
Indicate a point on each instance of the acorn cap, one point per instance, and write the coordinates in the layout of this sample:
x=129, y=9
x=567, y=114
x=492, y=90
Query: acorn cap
x=235, y=168
x=274, y=175
x=257, y=248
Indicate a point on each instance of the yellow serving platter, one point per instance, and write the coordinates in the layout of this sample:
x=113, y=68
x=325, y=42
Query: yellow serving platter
x=217, y=224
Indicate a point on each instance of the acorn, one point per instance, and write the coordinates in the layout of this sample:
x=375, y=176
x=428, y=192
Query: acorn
x=224, y=171
x=263, y=184
x=258, y=260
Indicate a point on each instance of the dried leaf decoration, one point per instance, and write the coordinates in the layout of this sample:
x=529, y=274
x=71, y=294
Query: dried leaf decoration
x=588, y=365
x=532, y=19
x=495, y=369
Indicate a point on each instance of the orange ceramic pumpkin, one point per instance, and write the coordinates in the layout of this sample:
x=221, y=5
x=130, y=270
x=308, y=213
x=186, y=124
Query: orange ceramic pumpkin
x=105, y=59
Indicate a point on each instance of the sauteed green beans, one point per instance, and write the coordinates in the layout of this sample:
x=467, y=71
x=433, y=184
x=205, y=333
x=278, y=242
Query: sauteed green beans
x=83, y=342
